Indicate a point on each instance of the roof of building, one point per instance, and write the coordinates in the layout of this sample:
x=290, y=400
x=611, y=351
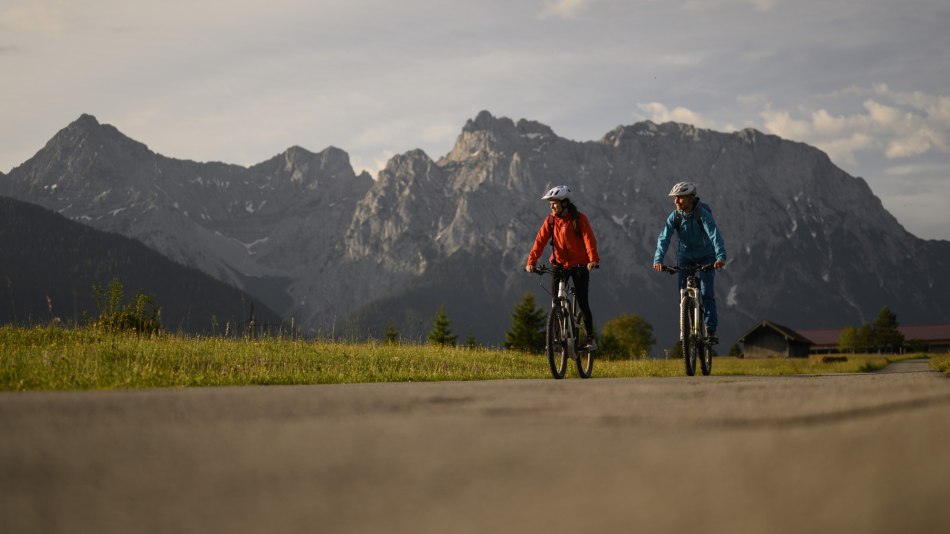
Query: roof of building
x=784, y=331
x=937, y=332
x=823, y=337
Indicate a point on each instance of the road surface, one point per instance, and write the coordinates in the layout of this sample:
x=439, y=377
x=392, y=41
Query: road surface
x=848, y=453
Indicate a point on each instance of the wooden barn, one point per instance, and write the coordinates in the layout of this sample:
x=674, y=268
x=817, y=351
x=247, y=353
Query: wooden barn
x=770, y=340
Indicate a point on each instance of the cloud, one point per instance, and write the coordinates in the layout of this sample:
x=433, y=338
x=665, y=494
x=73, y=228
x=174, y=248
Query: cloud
x=565, y=9
x=34, y=18
x=658, y=112
x=706, y=5
x=892, y=124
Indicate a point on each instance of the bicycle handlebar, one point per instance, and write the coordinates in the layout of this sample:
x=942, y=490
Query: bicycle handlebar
x=692, y=268
x=541, y=269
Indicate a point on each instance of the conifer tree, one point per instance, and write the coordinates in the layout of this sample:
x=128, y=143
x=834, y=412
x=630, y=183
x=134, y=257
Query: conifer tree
x=527, y=326
x=886, y=335
x=441, y=333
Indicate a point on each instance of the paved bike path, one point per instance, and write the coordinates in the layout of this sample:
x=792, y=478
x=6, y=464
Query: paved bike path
x=687, y=454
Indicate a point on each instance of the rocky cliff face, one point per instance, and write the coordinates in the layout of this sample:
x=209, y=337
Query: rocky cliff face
x=809, y=245
x=258, y=228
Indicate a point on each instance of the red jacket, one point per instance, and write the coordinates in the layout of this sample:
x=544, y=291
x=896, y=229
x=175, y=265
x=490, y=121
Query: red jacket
x=570, y=249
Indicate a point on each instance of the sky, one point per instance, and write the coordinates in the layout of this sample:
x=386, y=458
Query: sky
x=867, y=81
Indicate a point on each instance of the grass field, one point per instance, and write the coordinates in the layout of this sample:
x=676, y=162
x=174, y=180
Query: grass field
x=941, y=362
x=80, y=359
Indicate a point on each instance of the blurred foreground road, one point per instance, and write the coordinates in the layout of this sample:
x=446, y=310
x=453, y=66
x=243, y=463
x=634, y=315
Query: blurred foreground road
x=844, y=454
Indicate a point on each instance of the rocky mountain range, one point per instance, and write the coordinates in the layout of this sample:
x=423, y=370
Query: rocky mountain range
x=339, y=252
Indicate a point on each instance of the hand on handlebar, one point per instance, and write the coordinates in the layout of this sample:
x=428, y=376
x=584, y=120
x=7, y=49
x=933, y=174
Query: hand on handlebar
x=658, y=267
x=529, y=268
x=719, y=264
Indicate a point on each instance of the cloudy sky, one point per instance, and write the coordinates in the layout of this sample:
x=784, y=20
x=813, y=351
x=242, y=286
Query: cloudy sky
x=867, y=81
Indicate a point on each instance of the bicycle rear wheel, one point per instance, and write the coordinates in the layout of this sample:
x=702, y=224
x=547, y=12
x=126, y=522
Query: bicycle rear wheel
x=557, y=350
x=585, y=357
x=687, y=339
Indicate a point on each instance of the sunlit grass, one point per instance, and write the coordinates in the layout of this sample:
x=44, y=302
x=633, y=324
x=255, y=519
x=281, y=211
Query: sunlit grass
x=941, y=362
x=68, y=359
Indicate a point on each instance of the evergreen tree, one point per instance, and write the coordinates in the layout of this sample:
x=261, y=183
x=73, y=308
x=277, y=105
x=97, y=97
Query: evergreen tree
x=527, y=326
x=627, y=335
x=441, y=333
x=886, y=335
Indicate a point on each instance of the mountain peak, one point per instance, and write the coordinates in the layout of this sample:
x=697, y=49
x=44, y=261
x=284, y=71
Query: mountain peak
x=487, y=134
x=94, y=134
x=85, y=121
x=485, y=121
x=504, y=127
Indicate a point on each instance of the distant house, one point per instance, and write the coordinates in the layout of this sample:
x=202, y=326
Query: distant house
x=771, y=340
x=823, y=341
x=931, y=338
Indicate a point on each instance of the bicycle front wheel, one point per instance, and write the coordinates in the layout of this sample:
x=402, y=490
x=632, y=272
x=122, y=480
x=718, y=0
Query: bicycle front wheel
x=705, y=360
x=556, y=343
x=687, y=339
x=585, y=363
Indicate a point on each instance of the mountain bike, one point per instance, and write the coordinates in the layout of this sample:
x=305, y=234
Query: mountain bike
x=693, y=335
x=564, y=326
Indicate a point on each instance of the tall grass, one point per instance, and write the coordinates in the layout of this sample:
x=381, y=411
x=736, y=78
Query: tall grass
x=86, y=358
x=941, y=362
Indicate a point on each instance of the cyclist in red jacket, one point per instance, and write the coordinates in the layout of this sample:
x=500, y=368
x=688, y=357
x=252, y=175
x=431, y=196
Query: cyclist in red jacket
x=574, y=245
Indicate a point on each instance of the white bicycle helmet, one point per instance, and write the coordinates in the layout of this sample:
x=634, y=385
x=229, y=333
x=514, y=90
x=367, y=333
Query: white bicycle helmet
x=560, y=192
x=683, y=189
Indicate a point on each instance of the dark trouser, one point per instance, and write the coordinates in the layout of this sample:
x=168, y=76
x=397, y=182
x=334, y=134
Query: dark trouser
x=581, y=277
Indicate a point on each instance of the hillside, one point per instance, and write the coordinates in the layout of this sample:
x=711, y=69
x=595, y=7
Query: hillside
x=49, y=265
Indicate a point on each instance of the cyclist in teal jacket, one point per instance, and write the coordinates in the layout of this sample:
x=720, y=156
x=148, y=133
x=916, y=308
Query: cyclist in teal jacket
x=699, y=243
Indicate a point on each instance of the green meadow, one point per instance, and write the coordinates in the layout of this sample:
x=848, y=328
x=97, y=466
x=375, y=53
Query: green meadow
x=89, y=359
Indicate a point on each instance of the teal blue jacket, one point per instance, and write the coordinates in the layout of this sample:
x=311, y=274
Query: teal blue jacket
x=698, y=242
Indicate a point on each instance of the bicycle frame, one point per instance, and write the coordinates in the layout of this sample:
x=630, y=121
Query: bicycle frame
x=567, y=300
x=693, y=332
x=564, y=327
x=698, y=328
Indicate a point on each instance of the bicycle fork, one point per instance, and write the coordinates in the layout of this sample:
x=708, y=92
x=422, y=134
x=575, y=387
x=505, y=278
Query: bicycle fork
x=567, y=327
x=696, y=315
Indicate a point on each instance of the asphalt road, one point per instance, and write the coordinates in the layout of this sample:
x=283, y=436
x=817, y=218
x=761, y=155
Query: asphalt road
x=852, y=453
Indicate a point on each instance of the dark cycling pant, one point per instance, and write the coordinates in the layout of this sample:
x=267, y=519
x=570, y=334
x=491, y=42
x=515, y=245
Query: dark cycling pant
x=581, y=277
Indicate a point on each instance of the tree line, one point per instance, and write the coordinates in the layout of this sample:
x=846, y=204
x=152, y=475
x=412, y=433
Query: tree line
x=881, y=336
x=624, y=336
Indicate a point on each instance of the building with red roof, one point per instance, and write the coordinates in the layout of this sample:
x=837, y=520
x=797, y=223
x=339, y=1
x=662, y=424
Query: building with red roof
x=771, y=340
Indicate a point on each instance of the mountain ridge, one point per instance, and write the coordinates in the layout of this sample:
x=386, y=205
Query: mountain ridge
x=320, y=243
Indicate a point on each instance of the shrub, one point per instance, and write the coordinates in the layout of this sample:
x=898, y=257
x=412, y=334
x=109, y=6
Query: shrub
x=140, y=316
